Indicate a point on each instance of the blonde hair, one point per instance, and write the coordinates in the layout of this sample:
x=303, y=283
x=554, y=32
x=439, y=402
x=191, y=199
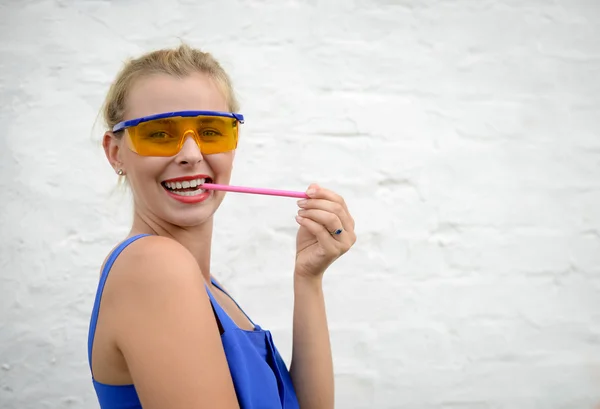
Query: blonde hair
x=179, y=62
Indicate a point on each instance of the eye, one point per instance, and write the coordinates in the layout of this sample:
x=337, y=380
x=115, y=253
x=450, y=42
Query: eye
x=158, y=135
x=209, y=132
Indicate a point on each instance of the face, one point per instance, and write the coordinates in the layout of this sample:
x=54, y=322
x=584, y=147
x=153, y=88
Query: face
x=149, y=176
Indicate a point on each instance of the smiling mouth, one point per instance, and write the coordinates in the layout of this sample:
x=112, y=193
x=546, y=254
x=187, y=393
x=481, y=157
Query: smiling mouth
x=186, y=187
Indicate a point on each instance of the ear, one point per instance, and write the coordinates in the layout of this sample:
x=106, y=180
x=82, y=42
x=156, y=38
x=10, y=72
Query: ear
x=112, y=149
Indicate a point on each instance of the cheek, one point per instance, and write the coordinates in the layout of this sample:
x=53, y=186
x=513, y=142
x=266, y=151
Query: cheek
x=220, y=164
x=145, y=169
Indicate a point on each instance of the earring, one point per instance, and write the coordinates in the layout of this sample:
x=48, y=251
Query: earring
x=120, y=172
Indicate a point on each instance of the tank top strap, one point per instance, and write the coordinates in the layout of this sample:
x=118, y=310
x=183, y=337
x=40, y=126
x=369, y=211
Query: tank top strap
x=224, y=321
x=103, y=276
x=232, y=299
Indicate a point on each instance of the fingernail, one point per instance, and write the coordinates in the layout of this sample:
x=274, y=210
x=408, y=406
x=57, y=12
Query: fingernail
x=299, y=219
x=311, y=192
x=301, y=212
x=302, y=202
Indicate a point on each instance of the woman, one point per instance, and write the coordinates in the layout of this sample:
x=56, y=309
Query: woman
x=163, y=332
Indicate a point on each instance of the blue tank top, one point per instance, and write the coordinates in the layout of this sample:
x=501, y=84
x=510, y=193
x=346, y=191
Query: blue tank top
x=260, y=376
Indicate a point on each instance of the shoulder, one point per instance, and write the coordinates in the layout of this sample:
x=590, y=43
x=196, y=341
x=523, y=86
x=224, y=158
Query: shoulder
x=153, y=272
x=155, y=259
x=156, y=249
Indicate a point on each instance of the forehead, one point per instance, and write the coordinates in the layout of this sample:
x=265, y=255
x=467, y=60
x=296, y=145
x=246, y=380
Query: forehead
x=160, y=93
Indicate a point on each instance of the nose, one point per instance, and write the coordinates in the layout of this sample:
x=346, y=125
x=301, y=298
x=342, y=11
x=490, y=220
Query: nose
x=190, y=152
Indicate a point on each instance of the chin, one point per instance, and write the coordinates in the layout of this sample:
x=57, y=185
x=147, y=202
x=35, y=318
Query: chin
x=189, y=220
x=194, y=214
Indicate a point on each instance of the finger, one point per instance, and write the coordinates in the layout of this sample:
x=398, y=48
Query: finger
x=331, y=207
x=318, y=230
x=317, y=192
x=330, y=220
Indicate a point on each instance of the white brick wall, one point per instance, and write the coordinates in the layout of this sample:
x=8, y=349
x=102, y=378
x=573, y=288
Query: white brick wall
x=465, y=135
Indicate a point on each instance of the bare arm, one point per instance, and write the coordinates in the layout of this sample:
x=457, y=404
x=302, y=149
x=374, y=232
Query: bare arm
x=311, y=368
x=326, y=232
x=166, y=329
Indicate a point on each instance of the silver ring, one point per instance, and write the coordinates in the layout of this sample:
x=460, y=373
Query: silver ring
x=337, y=232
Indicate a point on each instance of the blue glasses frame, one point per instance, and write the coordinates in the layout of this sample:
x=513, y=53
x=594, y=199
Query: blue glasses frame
x=133, y=122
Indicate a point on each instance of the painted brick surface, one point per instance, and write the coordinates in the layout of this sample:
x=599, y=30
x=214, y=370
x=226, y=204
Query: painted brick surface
x=464, y=135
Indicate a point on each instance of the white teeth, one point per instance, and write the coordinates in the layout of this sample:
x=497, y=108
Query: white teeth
x=189, y=192
x=185, y=184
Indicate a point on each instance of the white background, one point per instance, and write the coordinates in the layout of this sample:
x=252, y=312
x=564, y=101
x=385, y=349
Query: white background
x=464, y=135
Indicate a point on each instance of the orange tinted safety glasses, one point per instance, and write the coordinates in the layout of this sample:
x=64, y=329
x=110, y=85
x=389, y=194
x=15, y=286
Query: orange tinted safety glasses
x=164, y=134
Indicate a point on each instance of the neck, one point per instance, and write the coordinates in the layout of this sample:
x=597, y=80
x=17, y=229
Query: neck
x=197, y=240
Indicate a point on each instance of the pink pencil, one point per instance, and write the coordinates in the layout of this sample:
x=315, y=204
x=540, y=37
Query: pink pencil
x=254, y=190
